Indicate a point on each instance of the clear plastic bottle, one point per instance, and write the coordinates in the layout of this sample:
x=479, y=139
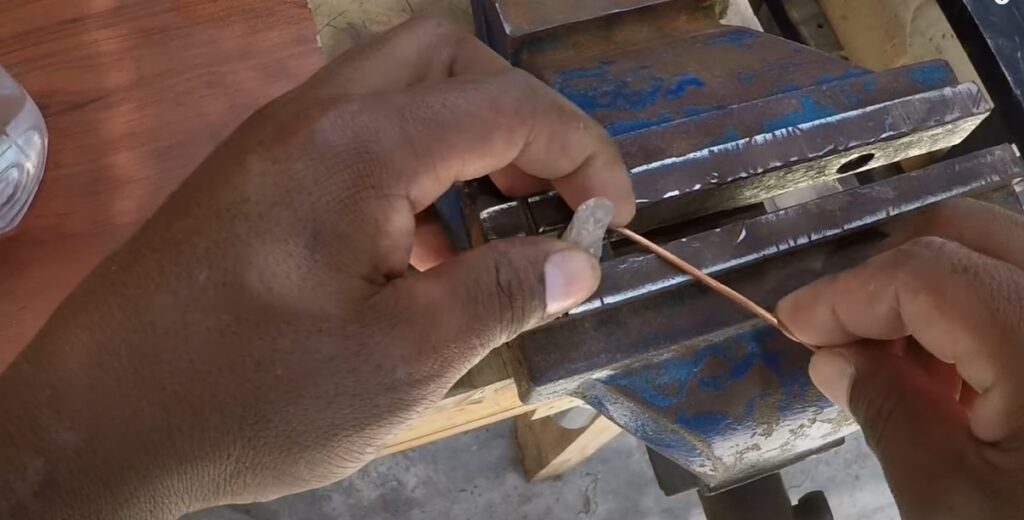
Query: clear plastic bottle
x=22, y=151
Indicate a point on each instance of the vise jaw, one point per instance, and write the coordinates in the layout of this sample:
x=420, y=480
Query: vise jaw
x=714, y=121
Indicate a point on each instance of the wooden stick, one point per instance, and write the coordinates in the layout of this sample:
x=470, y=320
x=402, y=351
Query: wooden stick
x=717, y=286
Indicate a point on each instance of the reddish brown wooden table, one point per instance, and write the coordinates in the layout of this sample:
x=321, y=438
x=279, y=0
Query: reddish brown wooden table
x=135, y=93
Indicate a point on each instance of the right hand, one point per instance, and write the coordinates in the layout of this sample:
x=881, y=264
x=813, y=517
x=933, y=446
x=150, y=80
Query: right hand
x=924, y=345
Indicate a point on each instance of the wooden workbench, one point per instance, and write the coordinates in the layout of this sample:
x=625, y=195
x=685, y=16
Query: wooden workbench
x=135, y=93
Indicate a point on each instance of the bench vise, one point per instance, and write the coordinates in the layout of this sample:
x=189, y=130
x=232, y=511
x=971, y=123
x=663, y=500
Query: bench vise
x=718, y=125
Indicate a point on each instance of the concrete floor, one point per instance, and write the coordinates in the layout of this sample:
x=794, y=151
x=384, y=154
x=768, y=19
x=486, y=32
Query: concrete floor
x=477, y=476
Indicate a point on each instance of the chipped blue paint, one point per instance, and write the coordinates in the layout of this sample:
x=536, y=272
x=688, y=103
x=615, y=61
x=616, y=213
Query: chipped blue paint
x=931, y=75
x=870, y=85
x=617, y=128
x=599, y=72
x=622, y=99
x=739, y=366
x=714, y=368
x=681, y=85
x=595, y=90
x=745, y=78
x=786, y=88
x=740, y=38
x=729, y=136
x=810, y=110
x=847, y=74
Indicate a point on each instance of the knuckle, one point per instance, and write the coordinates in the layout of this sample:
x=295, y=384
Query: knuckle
x=916, y=260
x=923, y=259
x=927, y=246
x=518, y=82
x=350, y=166
x=507, y=286
x=925, y=268
x=512, y=292
x=437, y=27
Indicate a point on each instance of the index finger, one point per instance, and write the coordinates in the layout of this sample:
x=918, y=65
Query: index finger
x=961, y=306
x=562, y=144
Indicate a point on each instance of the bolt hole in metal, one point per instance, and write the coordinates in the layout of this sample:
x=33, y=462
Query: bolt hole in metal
x=857, y=163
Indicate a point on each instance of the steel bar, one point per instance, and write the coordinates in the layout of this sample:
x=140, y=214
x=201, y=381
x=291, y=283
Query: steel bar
x=747, y=242
x=556, y=358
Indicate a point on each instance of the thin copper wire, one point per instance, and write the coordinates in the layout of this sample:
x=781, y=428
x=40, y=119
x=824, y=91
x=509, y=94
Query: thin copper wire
x=717, y=286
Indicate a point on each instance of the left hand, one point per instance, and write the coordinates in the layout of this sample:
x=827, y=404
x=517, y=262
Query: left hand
x=261, y=334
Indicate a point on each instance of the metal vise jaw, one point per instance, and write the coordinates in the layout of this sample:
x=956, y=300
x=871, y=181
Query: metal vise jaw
x=713, y=121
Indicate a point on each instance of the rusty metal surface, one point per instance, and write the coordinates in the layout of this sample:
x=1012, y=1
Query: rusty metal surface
x=750, y=170
x=732, y=401
x=639, y=293
x=695, y=376
x=712, y=121
x=700, y=142
x=743, y=243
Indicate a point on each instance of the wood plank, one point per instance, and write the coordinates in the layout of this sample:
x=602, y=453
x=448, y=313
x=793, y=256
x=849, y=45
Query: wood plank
x=135, y=93
x=461, y=413
x=883, y=34
x=469, y=411
x=548, y=450
x=557, y=406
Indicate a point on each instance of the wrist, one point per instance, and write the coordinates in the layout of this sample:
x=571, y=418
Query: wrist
x=63, y=454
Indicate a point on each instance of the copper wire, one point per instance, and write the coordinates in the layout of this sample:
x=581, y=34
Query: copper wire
x=715, y=285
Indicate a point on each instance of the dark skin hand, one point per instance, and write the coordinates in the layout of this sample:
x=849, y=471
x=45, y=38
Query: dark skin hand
x=261, y=335
x=924, y=345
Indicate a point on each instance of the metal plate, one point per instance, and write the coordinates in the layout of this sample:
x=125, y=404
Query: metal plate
x=676, y=177
x=645, y=310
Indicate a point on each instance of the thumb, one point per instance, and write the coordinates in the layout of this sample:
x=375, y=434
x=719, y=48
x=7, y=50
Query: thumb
x=917, y=429
x=491, y=294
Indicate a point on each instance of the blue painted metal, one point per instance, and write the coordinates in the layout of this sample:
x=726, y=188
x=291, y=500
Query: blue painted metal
x=712, y=119
x=743, y=151
x=730, y=412
x=635, y=89
x=695, y=376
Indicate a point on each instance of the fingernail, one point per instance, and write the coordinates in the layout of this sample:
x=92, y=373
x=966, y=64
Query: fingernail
x=833, y=372
x=570, y=277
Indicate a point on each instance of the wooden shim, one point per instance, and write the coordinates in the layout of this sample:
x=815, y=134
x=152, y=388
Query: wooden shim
x=548, y=450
